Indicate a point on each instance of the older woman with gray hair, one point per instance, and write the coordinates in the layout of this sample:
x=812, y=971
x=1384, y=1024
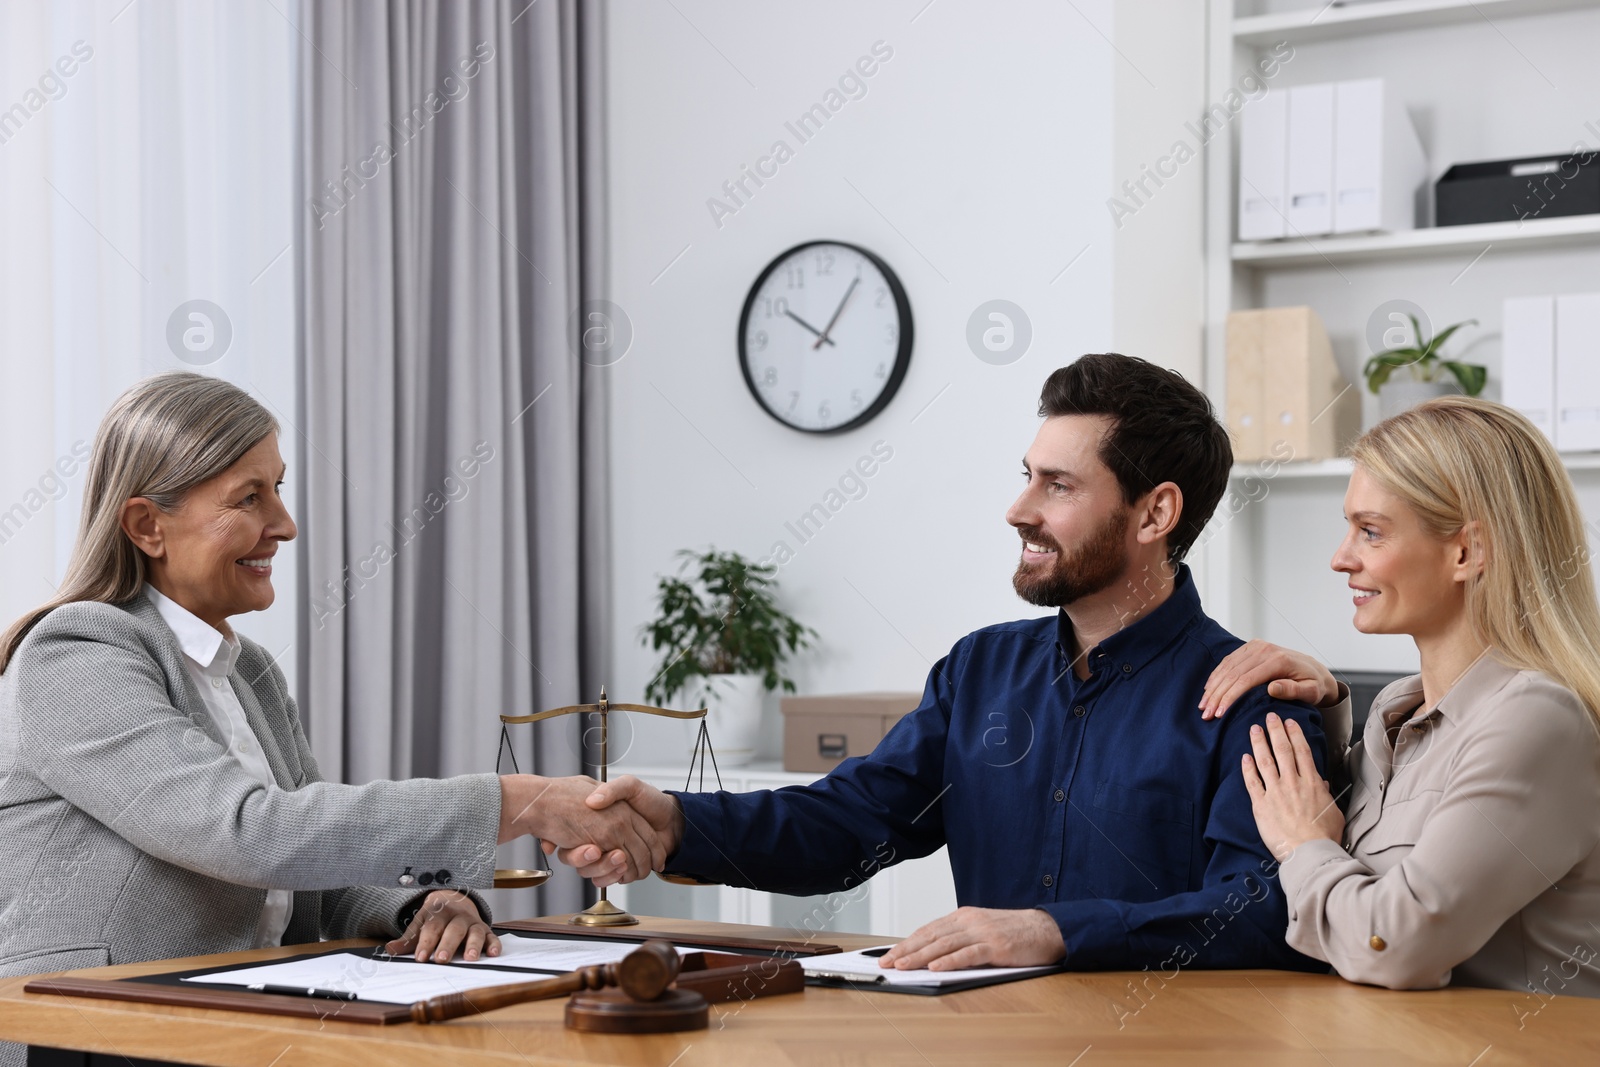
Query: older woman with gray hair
x=158, y=797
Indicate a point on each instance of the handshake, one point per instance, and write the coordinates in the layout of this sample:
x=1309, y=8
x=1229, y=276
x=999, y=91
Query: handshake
x=614, y=832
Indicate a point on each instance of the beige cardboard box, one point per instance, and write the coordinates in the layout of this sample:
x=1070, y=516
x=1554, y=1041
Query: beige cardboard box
x=1286, y=397
x=820, y=731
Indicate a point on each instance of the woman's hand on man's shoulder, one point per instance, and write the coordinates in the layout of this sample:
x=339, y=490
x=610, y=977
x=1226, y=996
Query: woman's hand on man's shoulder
x=1287, y=674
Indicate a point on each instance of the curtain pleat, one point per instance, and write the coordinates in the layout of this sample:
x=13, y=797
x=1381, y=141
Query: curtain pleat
x=454, y=485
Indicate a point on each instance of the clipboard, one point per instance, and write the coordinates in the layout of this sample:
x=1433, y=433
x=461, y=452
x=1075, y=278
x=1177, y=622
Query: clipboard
x=717, y=976
x=850, y=975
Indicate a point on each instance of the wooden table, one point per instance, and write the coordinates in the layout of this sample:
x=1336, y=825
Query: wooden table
x=1236, y=1018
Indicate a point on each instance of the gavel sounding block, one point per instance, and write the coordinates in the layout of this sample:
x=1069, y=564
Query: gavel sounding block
x=611, y=1011
x=704, y=977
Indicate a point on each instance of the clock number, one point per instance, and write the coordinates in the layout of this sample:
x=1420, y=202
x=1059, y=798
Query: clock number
x=855, y=398
x=889, y=333
x=883, y=296
x=796, y=276
x=794, y=399
x=770, y=376
x=822, y=411
x=760, y=340
x=879, y=372
x=824, y=264
x=774, y=309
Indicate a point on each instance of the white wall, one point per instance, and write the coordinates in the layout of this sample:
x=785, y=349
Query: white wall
x=158, y=172
x=978, y=165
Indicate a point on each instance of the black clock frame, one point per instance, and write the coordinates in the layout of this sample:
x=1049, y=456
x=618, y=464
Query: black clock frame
x=902, y=357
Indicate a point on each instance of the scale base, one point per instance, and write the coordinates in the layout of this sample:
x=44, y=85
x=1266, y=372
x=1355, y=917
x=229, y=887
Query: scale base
x=603, y=913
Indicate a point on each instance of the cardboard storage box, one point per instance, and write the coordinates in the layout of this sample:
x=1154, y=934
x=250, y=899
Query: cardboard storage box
x=1286, y=398
x=820, y=731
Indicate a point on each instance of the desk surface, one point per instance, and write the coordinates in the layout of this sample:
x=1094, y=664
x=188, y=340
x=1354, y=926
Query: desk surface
x=1236, y=1018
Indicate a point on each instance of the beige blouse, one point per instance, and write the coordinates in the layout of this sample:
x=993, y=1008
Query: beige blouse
x=1473, y=843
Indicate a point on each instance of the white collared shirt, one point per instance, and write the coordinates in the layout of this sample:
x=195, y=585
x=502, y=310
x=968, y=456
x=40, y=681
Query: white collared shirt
x=210, y=657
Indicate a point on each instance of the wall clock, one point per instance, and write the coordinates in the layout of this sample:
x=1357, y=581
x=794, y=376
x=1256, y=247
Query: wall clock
x=825, y=337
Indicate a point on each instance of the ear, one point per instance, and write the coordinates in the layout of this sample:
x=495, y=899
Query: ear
x=1468, y=554
x=142, y=522
x=1158, y=513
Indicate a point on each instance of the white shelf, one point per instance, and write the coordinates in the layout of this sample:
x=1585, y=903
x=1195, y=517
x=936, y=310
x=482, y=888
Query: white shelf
x=1410, y=244
x=1341, y=467
x=1320, y=22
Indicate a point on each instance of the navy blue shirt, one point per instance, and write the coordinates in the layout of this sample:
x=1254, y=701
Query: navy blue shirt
x=1107, y=802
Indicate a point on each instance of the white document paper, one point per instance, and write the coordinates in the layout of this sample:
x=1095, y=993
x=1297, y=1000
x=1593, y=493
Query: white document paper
x=377, y=980
x=402, y=980
x=558, y=955
x=860, y=967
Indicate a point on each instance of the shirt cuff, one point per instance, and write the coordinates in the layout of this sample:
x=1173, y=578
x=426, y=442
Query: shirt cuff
x=1294, y=874
x=698, y=855
x=1092, y=930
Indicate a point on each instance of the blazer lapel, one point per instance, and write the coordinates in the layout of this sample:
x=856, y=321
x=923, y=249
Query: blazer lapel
x=262, y=728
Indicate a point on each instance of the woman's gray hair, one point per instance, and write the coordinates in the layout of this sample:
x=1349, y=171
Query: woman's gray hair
x=161, y=438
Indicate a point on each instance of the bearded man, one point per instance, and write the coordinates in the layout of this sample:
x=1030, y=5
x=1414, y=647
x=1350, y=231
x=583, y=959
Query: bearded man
x=1094, y=819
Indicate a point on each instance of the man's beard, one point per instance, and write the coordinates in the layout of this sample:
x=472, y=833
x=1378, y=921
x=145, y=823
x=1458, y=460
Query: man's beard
x=1099, y=561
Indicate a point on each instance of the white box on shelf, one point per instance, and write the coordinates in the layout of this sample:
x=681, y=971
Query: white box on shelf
x=1308, y=188
x=1528, y=359
x=1577, y=336
x=1378, y=162
x=1263, y=154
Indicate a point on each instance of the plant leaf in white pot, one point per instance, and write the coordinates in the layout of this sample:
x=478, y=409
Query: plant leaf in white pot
x=723, y=638
x=1423, y=374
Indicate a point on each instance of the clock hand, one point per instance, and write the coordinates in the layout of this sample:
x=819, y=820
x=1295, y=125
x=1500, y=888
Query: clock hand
x=823, y=336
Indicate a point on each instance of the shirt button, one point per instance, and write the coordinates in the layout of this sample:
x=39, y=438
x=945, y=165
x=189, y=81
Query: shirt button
x=1080, y=711
x=1127, y=668
x=1049, y=881
x=216, y=683
x=1378, y=944
x=1060, y=796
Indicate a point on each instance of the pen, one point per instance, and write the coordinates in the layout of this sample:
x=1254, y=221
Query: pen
x=836, y=976
x=300, y=991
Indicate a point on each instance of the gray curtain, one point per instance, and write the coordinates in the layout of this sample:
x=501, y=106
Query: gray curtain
x=453, y=499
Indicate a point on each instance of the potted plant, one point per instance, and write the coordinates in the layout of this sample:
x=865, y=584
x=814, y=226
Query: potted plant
x=1425, y=372
x=722, y=625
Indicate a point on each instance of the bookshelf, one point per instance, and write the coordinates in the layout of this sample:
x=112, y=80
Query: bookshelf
x=1484, y=79
x=1326, y=22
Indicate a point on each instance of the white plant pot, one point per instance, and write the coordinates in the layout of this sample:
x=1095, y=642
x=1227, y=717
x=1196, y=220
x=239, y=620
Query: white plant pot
x=733, y=703
x=1396, y=395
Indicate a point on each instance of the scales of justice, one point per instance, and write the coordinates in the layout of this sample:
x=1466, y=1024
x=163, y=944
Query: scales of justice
x=602, y=912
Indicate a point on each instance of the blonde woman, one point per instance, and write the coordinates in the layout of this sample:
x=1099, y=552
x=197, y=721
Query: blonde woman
x=1471, y=854
x=157, y=795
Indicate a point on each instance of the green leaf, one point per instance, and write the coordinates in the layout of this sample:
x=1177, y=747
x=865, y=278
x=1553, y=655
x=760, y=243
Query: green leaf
x=1472, y=376
x=1380, y=367
x=720, y=617
x=1444, y=335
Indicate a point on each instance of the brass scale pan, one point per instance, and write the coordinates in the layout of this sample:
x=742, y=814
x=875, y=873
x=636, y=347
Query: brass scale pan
x=522, y=878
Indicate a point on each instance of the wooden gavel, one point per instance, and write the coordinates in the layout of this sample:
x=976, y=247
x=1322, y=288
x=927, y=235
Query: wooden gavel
x=643, y=974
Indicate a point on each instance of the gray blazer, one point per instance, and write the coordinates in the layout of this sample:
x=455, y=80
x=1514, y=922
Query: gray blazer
x=131, y=835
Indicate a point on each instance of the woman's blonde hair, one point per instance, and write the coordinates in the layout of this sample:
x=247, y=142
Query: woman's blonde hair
x=1458, y=460
x=161, y=438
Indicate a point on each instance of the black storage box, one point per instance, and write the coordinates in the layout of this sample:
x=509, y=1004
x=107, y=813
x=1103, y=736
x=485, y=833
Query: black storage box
x=1504, y=190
